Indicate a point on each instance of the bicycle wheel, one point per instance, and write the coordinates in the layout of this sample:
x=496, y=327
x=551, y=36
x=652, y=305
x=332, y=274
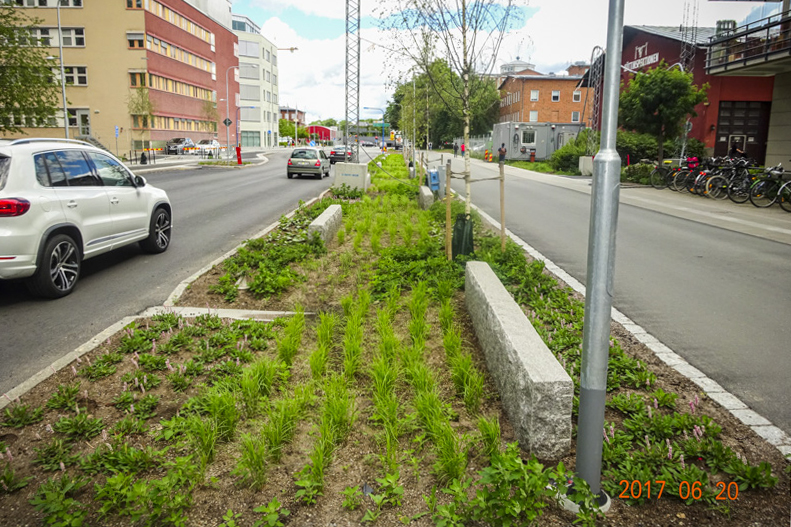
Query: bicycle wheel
x=739, y=190
x=700, y=183
x=658, y=179
x=680, y=180
x=784, y=196
x=764, y=193
x=717, y=187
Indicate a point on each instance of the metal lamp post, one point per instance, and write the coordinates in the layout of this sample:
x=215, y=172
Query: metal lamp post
x=228, y=115
x=62, y=75
x=292, y=50
x=383, y=122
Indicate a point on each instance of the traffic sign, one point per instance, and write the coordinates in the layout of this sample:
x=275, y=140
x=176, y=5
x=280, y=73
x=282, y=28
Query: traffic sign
x=116, y=131
x=313, y=143
x=227, y=122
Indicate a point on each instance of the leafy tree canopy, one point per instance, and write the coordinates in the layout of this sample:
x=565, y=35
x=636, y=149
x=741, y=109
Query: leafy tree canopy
x=659, y=101
x=28, y=89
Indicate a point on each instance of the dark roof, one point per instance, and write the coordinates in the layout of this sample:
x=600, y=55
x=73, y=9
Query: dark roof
x=672, y=32
x=539, y=77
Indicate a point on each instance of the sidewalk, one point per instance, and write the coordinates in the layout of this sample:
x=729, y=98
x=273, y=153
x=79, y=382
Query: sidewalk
x=170, y=162
x=771, y=223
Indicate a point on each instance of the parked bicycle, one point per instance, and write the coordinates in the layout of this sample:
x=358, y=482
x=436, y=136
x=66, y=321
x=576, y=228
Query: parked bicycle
x=766, y=189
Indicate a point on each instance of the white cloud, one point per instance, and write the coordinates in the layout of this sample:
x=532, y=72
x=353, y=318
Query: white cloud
x=557, y=35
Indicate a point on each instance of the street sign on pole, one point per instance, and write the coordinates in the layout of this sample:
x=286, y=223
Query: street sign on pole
x=116, y=132
x=227, y=122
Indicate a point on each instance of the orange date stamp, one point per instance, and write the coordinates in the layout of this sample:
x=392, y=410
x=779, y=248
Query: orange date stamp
x=637, y=489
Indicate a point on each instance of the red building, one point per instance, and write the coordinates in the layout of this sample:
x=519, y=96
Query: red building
x=322, y=133
x=189, y=56
x=738, y=108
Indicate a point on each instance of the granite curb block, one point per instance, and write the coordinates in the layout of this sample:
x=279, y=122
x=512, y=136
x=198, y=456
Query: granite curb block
x=535, y=390
x=90, y=345
x=327, y=224
x=176, y=294
x=235, y=314
x=711, y=388
x=426, y=198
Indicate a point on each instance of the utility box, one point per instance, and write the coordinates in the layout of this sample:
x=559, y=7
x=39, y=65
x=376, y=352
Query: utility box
x=520, y=138
x=355, y=175
x=433, y=180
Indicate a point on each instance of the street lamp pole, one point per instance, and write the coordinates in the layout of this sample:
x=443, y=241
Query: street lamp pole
x=228, y=115
x=296, y=123
x=62, y=76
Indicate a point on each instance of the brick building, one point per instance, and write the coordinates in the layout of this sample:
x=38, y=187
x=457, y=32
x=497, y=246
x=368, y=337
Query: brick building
x=737, y=108
x=148, y=69
x=532, y=97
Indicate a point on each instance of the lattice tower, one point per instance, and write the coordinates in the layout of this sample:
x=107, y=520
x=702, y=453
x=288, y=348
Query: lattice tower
x=596, y=83
x=352, y=77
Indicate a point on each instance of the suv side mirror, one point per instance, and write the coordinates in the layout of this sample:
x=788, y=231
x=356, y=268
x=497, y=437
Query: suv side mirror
x=140, y=181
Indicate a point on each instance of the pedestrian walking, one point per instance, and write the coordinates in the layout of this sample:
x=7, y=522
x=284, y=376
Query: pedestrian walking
x=462, y=150
x=455, y=149
x=501, y=153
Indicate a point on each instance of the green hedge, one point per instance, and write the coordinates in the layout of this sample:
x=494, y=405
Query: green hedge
x=631, y=146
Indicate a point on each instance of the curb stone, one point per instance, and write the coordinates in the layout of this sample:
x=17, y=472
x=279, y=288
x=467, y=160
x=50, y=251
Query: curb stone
x=36, y=379
x=756, y=422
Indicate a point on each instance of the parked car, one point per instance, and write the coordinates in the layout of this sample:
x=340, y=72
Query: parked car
x=367, y=143
x=64, y=201
x=178, y=144
x=308, y=161
x=340, y=153
x=205, y=146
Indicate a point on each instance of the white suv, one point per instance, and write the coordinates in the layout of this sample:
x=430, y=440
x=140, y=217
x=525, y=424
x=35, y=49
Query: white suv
x=63, y=201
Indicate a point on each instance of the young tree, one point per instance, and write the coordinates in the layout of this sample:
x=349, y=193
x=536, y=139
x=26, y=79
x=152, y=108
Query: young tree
x=465, y=33
x=658, y=103
x=141, y=108
x=28, y=89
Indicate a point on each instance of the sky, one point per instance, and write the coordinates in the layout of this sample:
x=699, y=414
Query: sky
x=552, y=35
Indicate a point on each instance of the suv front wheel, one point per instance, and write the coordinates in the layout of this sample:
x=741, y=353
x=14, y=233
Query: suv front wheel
x=158, y=232
x=58, y=270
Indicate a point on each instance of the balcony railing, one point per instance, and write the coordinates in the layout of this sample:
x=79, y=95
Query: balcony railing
x=757, y=42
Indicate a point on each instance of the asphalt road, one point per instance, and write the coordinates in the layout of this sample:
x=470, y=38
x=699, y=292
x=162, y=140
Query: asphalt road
x=214, y=209
x=708, y=279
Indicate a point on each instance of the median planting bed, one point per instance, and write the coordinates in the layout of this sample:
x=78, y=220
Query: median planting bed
x=370, y=404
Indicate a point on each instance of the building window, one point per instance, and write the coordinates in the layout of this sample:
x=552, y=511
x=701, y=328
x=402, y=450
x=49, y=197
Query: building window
x=268, y=56
x=40, y=37
x=248, y=71
x=251, y=138
x=577, y=96
x=528, y=137
x=249, y=92
x=575, y=117
x=76, y=75
x=533, y=95
x=134, y=4
x=248, y=49
x=274, y=79
x=137, y=79
x=135, y=40
x=555, y=95
x=73, y=37
x=533, y=116
x=268, y=77
x=48, y=3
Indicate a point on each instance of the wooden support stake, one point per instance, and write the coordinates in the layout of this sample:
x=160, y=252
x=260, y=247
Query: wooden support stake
x=448, y=197
x=502, y=206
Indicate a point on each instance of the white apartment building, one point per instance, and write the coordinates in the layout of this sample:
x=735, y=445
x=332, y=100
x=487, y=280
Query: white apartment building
x=258, y=91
